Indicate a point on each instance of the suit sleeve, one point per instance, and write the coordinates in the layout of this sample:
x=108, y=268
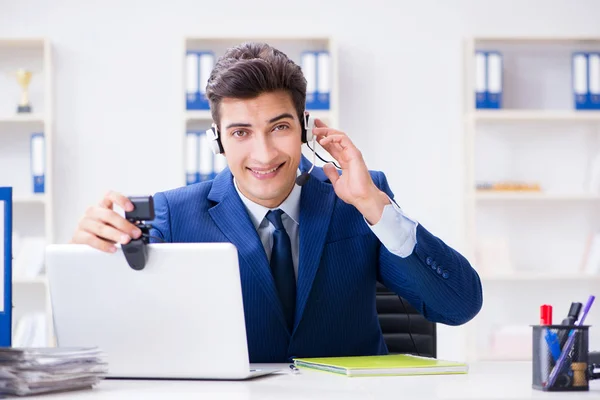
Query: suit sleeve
x=435, y=279
x=161, y=225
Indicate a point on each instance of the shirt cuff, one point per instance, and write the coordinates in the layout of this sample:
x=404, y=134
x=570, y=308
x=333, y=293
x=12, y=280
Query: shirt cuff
x=396, y=231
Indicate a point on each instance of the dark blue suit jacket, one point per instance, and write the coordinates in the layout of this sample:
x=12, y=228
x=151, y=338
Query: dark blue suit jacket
x=340, y=261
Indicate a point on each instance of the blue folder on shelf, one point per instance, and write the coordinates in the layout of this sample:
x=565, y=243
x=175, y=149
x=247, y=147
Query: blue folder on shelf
x=594, y=80
x=5, y=266
x=199, y=65
x=480, y=79
x=38, y=162
x=317, y=72
x=494, y=79
x=580, y=74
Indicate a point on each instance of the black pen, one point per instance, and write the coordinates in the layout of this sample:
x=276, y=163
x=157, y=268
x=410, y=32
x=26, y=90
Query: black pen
x=573, y=316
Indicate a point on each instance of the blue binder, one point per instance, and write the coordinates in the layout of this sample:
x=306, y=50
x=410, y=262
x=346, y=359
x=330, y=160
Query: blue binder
x=323, y=81
x=38, y=162
x=5, y=266
x=594, y=80
x=199, y=65
x=480, y=79
x=580, y=81
x=494, y=79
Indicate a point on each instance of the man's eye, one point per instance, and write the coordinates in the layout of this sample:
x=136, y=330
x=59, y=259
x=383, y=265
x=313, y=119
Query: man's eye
x=281, y=127
x=239, y=133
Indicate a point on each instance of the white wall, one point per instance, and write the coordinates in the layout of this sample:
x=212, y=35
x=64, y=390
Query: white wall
x=118, y=101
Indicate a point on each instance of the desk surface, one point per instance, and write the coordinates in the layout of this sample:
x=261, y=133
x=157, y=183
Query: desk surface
x=490, y=380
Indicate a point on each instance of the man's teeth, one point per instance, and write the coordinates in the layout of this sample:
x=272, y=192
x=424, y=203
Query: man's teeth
x=265, y=172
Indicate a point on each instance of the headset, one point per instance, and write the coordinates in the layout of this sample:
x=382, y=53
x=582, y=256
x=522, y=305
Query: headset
x=308, y=123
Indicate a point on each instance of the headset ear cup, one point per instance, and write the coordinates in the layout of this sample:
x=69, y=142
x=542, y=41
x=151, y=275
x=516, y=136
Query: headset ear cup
x=307, y=126
x=214, y=142
x=309, y=132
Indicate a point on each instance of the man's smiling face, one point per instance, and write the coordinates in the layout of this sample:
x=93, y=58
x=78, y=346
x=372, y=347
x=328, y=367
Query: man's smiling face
x=261, y=139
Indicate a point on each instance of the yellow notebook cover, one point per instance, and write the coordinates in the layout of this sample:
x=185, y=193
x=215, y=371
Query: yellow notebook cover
x=392, y=364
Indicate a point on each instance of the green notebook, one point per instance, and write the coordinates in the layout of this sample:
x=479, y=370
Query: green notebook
x=393, y=364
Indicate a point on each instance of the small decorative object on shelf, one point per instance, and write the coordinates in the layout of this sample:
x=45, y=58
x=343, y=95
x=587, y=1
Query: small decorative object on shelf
x=24, y=78
x=509, y=186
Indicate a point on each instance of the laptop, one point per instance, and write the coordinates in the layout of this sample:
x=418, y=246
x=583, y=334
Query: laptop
x=181, y=317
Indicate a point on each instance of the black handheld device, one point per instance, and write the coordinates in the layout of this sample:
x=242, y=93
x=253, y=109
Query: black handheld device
x=135, y=251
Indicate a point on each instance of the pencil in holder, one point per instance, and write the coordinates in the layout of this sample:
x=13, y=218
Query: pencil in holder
x=560, y=357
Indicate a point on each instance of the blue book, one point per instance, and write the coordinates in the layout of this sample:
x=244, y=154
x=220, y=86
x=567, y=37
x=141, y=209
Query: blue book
x=494, y=79
x=480, y=79
x=580, y=80
x=38, y=162
x=199, y=65
x=5, y=266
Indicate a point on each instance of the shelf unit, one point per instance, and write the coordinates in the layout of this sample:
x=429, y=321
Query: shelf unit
x=32, y=212
x=292, y=46
x=528, y=247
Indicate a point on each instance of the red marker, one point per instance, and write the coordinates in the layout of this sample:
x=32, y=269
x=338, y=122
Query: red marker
x=546, y=314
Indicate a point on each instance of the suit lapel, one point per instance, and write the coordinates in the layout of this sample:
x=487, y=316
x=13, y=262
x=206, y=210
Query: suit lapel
x=230, y=215
x=316, y=206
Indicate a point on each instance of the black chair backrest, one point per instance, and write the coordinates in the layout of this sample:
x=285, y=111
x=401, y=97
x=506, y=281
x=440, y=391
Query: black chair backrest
x=396, y=325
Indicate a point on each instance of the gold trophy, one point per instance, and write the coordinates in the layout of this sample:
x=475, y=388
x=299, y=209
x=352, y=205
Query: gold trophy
x=24, y=78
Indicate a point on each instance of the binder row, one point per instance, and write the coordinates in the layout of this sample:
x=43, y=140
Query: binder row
x=316, y=69
x=488, y=79
x=315, y=66
x=586, y=80
x=199, y=65
x=201, y=163
x=585, y=84
x=38, y=162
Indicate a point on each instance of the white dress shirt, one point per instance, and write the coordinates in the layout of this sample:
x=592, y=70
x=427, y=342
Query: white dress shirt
x=395, y=230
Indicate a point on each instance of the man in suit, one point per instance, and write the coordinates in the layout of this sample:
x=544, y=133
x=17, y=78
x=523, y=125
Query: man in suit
x=310, y=254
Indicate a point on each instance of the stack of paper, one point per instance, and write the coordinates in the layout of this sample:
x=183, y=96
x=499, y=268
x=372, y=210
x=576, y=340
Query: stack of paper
x=26, y=371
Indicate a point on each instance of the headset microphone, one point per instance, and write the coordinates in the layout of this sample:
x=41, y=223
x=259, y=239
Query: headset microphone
x=302, y=179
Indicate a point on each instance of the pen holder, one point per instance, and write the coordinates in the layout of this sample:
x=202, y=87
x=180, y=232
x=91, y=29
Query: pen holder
x=560, y=362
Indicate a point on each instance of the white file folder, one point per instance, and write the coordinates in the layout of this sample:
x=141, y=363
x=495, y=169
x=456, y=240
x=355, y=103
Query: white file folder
x=494, y=80
x=38, y=162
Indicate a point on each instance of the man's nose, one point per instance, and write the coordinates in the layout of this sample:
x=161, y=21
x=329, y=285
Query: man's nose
x=264, y=151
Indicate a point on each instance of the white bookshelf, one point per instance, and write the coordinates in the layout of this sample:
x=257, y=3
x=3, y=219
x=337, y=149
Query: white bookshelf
x=529, y=246
x=292, y=46
x=533, y=116
x=32, y=213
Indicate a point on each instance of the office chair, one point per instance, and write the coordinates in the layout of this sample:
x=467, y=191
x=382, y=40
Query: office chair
x=395, y=326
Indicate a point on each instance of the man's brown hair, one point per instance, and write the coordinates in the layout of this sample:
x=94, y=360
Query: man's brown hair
x=251, y=69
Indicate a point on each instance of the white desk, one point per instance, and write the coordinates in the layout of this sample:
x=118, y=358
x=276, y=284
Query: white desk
x=501, y=380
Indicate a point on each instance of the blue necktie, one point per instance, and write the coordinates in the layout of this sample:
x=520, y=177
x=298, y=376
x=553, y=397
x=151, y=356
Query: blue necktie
x=282, y=267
